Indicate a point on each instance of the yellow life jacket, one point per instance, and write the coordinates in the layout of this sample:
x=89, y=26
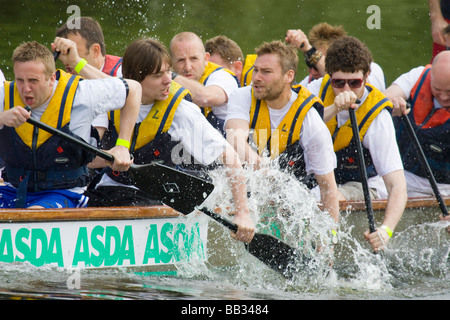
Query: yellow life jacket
x=288, y=131
x=247, y=70
x=160, y=117
x=209, y=69
x=375, y=102
x=61, y=100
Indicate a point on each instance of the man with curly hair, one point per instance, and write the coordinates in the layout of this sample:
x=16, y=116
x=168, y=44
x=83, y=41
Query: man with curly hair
x=345, y=86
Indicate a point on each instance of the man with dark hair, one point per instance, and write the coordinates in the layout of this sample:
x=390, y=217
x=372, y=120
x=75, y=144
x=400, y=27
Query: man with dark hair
x=91, y=46
x=345, y=86
x=167, y=120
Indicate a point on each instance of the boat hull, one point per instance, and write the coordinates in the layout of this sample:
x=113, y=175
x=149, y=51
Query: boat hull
x=417, y=211
x=154, y=240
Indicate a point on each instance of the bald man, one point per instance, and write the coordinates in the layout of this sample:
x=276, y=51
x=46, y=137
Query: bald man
x=210, y=84
x=427, y=90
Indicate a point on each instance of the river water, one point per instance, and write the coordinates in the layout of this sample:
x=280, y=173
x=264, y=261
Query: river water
x=415, y=266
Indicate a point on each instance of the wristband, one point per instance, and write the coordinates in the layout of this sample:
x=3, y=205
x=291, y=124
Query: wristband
x=334, y=236
x=123, y=143
x=387, y=229
x=80, y=65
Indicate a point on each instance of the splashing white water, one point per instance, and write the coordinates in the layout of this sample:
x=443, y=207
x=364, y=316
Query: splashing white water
x=283, y=207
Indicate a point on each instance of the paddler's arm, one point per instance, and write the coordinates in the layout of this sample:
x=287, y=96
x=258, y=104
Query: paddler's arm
x=237, y=135
x=130, y=110
x=438, y=22
x=299, y=40
x=236, y=178
x=398, y=98
x=343, y=101
x=396, y=186
x=329, y=194
x=128, y=116
x=71, y=60
x=201, y=95
x=14, y=117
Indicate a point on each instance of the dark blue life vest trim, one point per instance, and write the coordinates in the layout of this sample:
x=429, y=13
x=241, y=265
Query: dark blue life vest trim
x=204, y=81
x=113, y=70
x=246, y=75
x=294, y=121
x=325, y=89
x=63, y=101
x=11, y=95
x=168, y=110
x=374, y=108
x=419, y=87
x=255, y=116
x=43, y=176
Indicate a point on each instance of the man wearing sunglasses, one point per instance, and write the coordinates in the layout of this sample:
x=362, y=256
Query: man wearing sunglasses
x=345, y=86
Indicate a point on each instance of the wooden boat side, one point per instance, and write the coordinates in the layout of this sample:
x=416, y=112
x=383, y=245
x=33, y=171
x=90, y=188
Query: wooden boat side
x=77, y=214
x=162, y=211
x=425, y=202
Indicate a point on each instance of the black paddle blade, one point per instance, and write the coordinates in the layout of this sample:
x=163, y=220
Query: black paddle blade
x=273, y=252
x=178, y=190
x=276, y=254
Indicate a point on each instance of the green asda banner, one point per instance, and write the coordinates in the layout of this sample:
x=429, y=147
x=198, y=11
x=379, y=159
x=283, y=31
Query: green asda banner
x=103, y=243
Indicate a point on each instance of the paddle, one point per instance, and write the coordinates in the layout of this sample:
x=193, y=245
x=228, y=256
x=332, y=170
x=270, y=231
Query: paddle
x=184, y=193
x=424, y=162
x=273, y=252
x=362, y=169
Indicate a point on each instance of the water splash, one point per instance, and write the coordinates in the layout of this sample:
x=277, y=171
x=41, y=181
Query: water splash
x=421, y=250
x=283, y=207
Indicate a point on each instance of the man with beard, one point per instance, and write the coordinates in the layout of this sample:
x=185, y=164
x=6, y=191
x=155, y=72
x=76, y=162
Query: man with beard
x=284, y=118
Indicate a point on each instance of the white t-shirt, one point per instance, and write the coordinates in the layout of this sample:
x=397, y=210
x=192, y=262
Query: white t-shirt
x=196, y=135
x=407, y=81
x=380, y=139
x=227, y=82
x=418, y=186
x=2, y=77
x=315, y=139
x=375, y=78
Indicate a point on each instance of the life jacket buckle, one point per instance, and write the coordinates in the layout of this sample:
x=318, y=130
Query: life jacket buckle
x=116, y=173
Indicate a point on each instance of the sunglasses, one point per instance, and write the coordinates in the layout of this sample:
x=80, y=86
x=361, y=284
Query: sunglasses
x=352, y=83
